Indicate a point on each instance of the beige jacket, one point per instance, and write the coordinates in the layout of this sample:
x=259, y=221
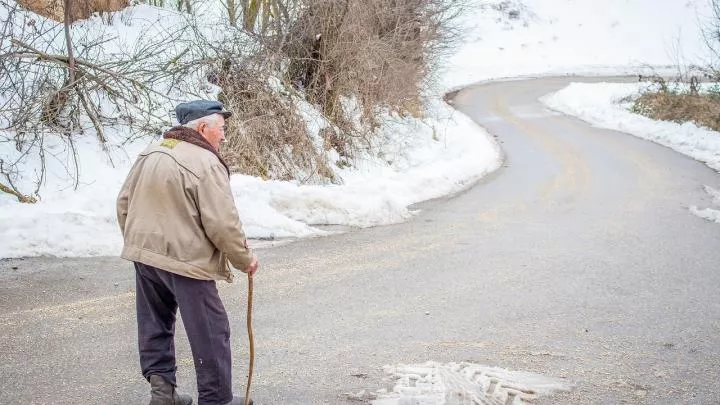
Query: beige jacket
x=177, y=213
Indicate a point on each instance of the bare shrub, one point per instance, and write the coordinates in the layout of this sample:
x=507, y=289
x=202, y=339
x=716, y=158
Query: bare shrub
x=354, y=59
x=40, y=95
x=55, y=86
x=680, y=102
x=681, y=99
x=711, y=33
x=378, y=53
x=266, y=137
x=702, y=109
x=81, y=9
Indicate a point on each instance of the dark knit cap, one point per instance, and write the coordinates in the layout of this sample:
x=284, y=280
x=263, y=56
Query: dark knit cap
x=192, y=110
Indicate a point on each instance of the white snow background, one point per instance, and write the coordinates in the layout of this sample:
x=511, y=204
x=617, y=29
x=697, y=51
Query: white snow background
x=413, y=160
x=525, y=38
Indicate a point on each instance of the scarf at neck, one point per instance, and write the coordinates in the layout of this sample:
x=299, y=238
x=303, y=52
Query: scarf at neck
x=191, y=136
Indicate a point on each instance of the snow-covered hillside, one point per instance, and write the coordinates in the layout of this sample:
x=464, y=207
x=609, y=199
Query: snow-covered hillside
x=414, y=160
x=512, y=38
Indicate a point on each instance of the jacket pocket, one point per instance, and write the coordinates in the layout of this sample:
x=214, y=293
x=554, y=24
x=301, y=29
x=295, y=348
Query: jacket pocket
x=188, y=247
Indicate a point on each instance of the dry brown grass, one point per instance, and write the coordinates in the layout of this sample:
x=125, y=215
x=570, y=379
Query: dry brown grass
x=80, y=10
x=266, y=136
x=352, y=59
x=380, y=53
x=702, y=109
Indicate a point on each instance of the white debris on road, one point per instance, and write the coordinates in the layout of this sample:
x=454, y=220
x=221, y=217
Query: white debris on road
x=711, y=214
x=463, y=383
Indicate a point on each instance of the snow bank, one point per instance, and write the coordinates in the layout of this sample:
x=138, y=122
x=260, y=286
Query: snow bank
x=422, y=159
x=711, y=214
x=602, y=105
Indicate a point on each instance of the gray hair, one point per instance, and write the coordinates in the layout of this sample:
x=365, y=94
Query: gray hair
x=212, y=120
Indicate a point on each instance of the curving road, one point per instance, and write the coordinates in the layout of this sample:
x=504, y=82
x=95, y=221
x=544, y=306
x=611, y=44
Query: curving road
x=578, y=259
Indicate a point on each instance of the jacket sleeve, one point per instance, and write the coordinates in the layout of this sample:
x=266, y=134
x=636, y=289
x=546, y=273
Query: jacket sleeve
x=123, y=201
x=220, y=218
x=122, y=209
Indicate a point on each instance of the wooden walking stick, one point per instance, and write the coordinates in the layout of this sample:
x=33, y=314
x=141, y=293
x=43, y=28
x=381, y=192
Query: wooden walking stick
x=250, y=338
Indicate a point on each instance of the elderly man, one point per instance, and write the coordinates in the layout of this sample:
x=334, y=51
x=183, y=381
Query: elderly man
x=180, y=226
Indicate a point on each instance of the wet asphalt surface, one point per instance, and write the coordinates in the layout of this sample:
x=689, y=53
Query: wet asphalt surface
x=578, y=259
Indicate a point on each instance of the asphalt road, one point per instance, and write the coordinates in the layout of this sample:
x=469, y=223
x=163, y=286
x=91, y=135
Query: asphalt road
x=578, y=259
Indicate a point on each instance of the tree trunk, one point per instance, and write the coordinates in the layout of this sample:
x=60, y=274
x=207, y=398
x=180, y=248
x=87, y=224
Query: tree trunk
x=249, y=9
x=184, y=4
x=232, y=12
x=68, y=43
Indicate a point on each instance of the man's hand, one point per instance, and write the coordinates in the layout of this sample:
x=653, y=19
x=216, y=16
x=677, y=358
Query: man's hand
x=252, y=267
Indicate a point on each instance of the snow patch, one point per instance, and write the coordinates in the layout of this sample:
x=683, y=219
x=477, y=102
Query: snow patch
x=434, y=383
x=605, y=105
x=711, y=214
x=417, y=160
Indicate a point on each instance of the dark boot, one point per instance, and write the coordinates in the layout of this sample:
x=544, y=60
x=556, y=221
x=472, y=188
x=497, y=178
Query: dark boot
x=238, y=401
x=163, y=393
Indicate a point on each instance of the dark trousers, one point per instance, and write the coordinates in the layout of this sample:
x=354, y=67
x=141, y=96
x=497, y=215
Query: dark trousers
x=159, y=294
